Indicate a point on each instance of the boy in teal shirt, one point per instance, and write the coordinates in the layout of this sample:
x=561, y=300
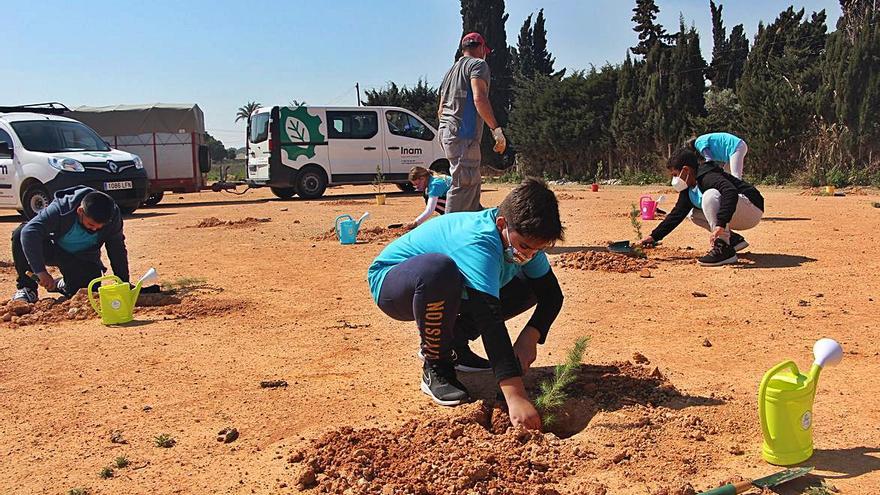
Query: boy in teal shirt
x=478, y=269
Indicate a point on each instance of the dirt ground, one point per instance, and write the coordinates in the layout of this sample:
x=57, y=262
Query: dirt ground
x=665, y=402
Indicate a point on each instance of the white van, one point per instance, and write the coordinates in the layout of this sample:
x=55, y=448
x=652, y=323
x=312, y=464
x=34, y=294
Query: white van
x=302, y=150
x=42, y=152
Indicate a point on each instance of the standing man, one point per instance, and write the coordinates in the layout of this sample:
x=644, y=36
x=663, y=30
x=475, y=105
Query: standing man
x=69, y=233
x=464, y=106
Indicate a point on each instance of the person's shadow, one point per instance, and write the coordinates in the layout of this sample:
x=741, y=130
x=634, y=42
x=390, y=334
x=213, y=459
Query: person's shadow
x=772, y=260
x=833, y=464
x=596, y=388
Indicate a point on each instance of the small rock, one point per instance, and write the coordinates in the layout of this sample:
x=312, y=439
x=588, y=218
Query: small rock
x=116, y=437
x=803, y=303
x=657, y=374
x=645, y=273
x=736, y=450
x=148, y=408
x=706, y=343
x=19, y=308
x=640, y=358
x=283, y=209
x=227, y=435
x=273, y=383
x=699, y=294
x=305, y=477
x=620, y=457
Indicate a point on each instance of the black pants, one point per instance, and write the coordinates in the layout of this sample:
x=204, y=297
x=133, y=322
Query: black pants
x=76, y=272
x=427, y=289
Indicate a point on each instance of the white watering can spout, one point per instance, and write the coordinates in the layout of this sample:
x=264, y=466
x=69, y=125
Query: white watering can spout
x=151, y=277
x=362, y=218
x=827, y=352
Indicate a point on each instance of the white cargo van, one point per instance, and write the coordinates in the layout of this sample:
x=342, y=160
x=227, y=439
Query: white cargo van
x=42, y=152
x=302, y=150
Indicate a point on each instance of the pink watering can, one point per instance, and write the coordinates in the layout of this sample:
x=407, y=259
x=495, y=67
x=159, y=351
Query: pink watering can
x=648, y=207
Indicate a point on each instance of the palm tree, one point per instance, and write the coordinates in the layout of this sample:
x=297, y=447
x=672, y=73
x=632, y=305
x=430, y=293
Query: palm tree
x=246, y=111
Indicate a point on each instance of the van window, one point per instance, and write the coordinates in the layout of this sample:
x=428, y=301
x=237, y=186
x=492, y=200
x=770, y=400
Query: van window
x=6, y=138
x=259, y=128
x=352, y=124
x=404, y=124
x=53, y=136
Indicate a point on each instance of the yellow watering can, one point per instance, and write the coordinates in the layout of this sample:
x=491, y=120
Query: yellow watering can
x=117, y=300
x=785, y=405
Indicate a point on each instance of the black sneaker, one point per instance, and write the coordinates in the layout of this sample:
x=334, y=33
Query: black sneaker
x=738, y=242
x=27, y=295
x=466, y=360
x=720, y=254
x=439, y=382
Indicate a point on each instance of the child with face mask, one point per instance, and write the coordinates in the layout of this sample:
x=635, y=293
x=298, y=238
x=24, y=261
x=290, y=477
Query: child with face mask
x=461, y=276
x=716, y=201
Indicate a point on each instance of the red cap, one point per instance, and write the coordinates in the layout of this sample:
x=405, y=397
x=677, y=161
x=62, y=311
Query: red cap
x=474, y=39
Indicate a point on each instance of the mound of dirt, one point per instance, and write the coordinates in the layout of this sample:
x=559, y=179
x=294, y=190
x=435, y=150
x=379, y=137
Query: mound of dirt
x=20, y=313
x=344, y=202
x=370, y=234
x=448, y=455
x=603, y=261
x=564, y=196
x=216, y=222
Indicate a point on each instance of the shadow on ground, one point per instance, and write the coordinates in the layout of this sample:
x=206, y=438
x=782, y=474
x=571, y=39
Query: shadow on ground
x=768, y=260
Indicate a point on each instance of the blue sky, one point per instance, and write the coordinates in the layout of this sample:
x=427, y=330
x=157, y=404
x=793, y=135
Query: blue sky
x=221, y=54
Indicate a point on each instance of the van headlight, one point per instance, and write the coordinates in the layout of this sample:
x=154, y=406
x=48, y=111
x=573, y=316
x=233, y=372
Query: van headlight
x=66, y=164
x=138, y=163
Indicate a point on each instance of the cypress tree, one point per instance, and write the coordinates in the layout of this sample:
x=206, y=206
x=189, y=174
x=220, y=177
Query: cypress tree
x=650, y=31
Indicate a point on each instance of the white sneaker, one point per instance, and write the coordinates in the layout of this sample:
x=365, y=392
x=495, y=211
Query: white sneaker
x=27, y=295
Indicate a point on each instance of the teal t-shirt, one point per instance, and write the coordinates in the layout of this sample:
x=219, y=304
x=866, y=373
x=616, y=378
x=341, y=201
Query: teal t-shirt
x=696, y=197
x=438, y=186
x=471, y=239
x=717, y=146
x=78, y=239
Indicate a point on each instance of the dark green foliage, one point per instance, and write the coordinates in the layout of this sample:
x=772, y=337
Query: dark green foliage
x=728, y=53
x=531, y=56
x=215, y=148
x=651, y=33
x=553, y=394
x=422, y=99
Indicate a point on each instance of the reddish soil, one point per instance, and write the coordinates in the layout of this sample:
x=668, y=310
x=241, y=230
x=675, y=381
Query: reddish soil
x=296, y=310
x=380, y=235
x=216, y=222
x=344, y=202
x=603, y=261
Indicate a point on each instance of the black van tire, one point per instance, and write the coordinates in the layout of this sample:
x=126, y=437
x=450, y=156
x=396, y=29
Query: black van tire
x=311, y=182
x=406, y=187
x=441, y=166
x=283, y=192
x=35, y=198
x=127, y=210
x=154, y=198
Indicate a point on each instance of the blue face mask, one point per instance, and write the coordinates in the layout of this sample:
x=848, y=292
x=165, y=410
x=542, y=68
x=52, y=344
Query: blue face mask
x=511, y=254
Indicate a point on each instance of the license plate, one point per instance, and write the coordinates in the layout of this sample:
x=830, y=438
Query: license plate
x=115, y=186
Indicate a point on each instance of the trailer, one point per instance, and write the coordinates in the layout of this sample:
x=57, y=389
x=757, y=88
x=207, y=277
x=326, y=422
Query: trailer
x=169, y=138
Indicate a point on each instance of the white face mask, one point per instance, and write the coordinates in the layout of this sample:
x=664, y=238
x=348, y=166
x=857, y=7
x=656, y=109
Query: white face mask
x=678, y=183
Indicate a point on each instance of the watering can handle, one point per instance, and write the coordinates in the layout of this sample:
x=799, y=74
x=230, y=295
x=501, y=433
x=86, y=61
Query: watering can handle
x=642, y=199
x=340, y=217
x=762, y=390
x=92, y=300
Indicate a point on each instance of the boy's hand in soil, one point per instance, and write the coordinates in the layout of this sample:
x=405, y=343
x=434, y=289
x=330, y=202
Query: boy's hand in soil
x=46, y=281
x=648, y=241
x=520, y=408
x=526, y=347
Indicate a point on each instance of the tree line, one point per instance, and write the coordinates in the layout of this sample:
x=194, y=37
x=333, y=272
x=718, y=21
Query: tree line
x=806, y=100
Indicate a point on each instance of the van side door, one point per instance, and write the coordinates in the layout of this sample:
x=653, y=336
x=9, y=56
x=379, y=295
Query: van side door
x=7, y=170
x=355, y=145
x=408, y=143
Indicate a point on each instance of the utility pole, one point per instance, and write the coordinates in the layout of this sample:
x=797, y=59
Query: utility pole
x=357, y=86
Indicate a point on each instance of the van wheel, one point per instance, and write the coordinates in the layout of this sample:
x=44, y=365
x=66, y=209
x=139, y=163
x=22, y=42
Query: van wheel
x=311, y=183
x=154, y=199
x=34, y=199
x=407, y=187
x=283, y=192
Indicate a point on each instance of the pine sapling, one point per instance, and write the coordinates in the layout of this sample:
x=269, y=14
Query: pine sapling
x=637, y=230
x=379, y=180
x=553, y=394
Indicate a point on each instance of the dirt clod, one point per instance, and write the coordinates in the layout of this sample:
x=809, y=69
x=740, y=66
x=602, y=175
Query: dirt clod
x=707, y=343
x=227, y=435
x=273, y=383
x=216, y=222
x=640, y=358
x=699, y=294
x=645, y=273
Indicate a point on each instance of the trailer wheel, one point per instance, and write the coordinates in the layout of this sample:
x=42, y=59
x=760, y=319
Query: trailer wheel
x=35, y=198
x=154, y=199
x=311, y=182
x=283, y=192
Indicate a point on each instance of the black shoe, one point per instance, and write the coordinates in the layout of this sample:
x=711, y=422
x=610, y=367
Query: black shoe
x=26, y=294
x=720, y=254
x=439, y=382
x=466, y=360
x=738, y=242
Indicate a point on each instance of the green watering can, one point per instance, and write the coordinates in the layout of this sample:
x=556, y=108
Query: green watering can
x=785, y=405
x=117, y=300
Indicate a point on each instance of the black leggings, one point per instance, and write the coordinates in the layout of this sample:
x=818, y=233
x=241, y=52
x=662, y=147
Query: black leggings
x=77, y=273
x=428, y=288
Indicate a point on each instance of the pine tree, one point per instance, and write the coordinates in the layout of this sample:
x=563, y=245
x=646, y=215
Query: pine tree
x=650, y=32
x=523, y=59
x=543, y=59
x=728, y=54
x=487, y=17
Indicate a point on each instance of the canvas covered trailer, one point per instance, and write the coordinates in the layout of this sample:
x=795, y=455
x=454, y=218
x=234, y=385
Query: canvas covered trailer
x=169, y=138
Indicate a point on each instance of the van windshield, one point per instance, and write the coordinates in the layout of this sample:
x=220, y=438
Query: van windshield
x=53, y=136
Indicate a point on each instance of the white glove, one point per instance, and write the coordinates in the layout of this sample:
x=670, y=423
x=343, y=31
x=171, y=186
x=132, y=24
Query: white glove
x=500, y=140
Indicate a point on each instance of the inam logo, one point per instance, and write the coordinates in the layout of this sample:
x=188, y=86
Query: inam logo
x=3, y=170
x=410, y=151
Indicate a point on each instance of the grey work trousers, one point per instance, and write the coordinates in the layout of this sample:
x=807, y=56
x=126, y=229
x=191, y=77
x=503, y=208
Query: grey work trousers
x=464, y=166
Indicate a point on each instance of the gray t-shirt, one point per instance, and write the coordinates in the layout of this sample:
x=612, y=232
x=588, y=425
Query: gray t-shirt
x=457, y=96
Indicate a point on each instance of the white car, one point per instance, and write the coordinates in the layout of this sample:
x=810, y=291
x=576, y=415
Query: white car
x=301, y=150
x=42, y=152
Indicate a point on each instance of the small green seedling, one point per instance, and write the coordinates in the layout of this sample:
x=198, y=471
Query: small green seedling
x=165, y=441
x=78, y=491
x=106, y=472
x=379, y=180
x=553, y=394
x=634, y=214
x=121, y=462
